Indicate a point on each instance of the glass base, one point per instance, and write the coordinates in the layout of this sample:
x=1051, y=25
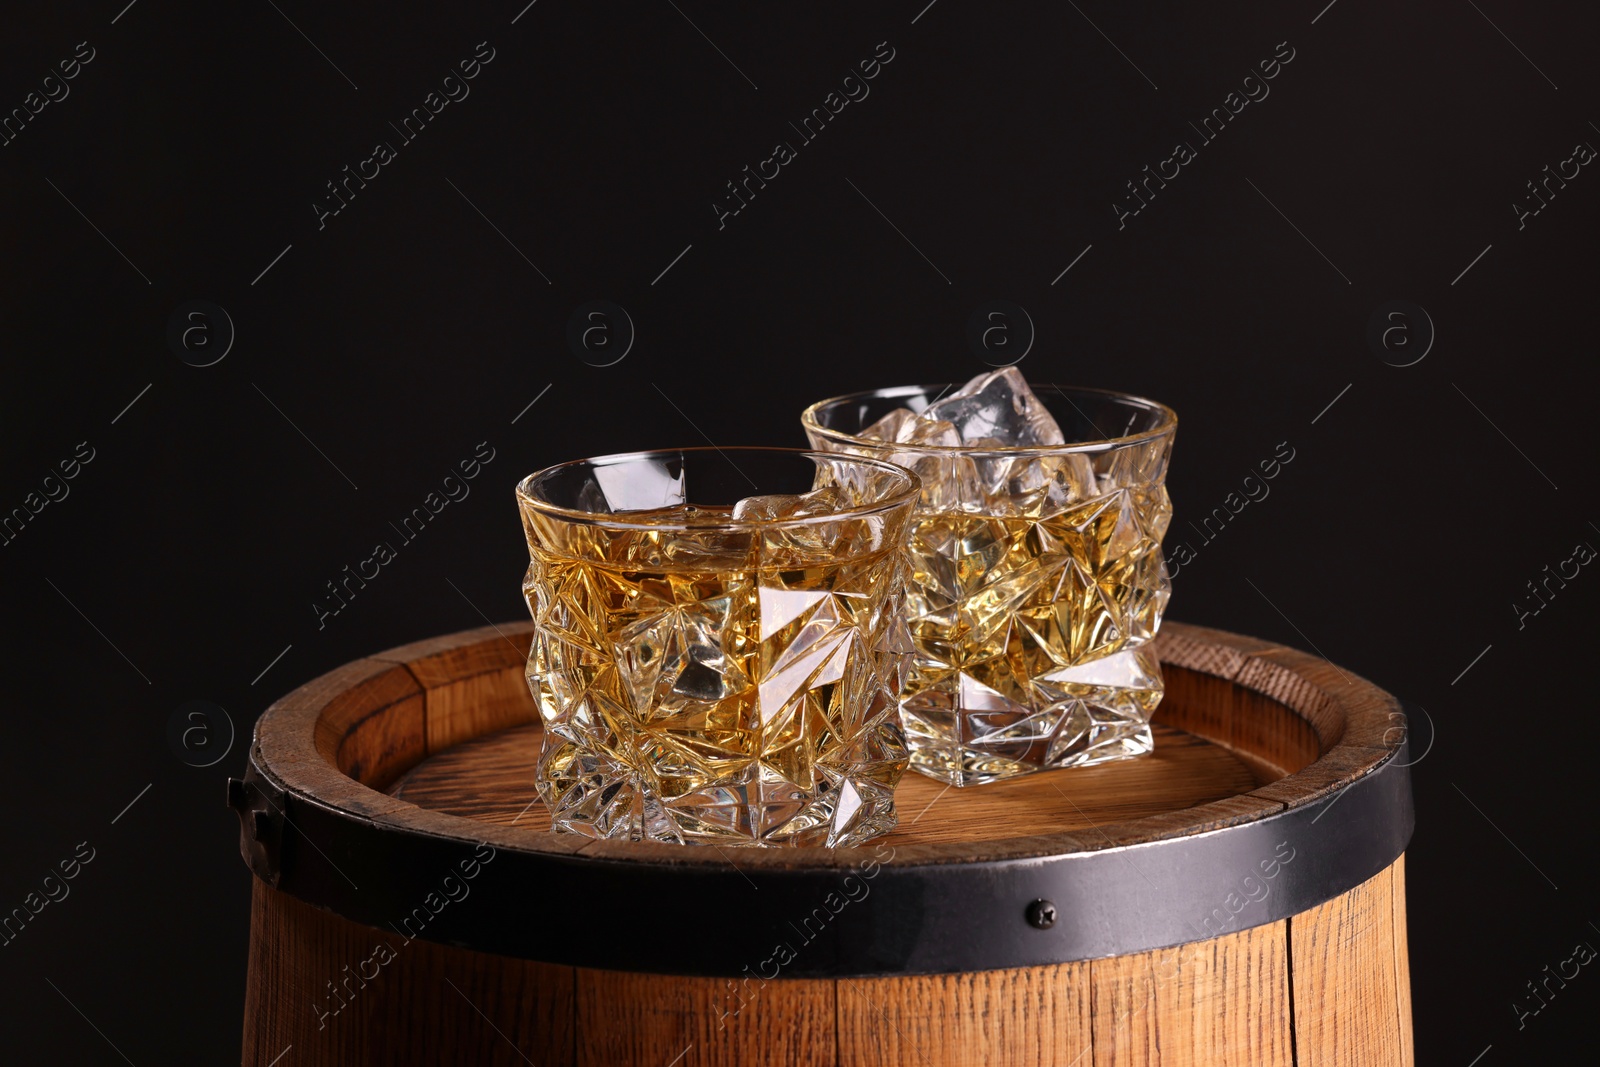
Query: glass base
x=596, y=798
x=964, y=733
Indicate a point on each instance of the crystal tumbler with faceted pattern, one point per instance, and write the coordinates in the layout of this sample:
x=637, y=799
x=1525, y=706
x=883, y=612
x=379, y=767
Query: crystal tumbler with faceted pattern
x=1037, y=583
x=720, y=644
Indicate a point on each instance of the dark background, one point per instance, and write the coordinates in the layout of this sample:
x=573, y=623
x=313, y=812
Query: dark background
x=381, y=349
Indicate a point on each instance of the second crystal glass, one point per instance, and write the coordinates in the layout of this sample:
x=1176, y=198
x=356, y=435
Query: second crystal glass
x=720, y=643
x=1037, y=582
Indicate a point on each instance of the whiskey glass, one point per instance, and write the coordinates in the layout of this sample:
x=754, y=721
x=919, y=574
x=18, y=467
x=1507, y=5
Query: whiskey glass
x=1037, y=582
x=720, y=644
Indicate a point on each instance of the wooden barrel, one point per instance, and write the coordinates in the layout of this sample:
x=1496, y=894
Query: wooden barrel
x=1235, y=898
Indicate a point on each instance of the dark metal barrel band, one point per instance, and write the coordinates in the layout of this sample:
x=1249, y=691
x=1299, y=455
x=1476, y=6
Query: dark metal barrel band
x=875, y=917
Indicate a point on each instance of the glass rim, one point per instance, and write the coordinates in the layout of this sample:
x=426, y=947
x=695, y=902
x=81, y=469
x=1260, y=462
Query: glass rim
x=1167, y=425
x=904, y=496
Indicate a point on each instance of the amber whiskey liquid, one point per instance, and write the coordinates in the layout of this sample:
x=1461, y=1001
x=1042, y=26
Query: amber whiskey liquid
x=720, y=685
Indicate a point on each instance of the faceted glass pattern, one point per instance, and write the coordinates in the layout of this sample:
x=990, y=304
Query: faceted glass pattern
x=1037, y=583
x=706, y=678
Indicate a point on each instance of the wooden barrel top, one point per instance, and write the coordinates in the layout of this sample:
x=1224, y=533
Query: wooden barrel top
x=489, y=778
x=368, y=781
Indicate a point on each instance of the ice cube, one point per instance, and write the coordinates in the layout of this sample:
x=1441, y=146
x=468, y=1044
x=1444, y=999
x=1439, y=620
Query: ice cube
x=1035, y=486
x=888, y=428
x=997, y=407
x=786, y=541
x=926, y=431
x=763, y=508
x=681, y=534
x=950, y=482
x=904, y=426
x=779, y=506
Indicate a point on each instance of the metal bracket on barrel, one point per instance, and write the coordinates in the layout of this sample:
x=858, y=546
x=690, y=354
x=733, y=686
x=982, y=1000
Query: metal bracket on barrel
x=259, y=804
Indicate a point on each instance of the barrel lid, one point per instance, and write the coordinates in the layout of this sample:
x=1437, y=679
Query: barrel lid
x=389, y=789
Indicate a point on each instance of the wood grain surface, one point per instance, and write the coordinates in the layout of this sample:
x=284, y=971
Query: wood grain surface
x=326, y=992
x=1025, y=1016
x=1352, y=987
x=1222, y=1001
x=1232, y=1001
